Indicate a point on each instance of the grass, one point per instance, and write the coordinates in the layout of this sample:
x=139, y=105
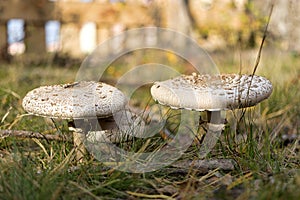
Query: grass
x=264, y=143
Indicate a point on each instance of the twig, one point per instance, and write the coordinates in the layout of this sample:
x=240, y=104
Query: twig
x=30, y=134
x=207, y=165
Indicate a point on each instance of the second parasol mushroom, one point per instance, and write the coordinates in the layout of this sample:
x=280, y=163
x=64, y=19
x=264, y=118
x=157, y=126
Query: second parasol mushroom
x=212, y=93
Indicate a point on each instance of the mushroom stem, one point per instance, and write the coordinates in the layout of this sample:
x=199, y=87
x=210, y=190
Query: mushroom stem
x=80, y=129
x=214, y=129
x=107, y=123
x=78, y=138
x=214, y=117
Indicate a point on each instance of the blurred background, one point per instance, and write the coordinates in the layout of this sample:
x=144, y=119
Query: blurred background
x=39, y=30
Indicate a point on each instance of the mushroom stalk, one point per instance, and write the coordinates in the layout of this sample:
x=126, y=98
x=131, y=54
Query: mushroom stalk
x=214, y=117
x=79, y=135
x=82, y=127
x=214, y=129
x=78, y=138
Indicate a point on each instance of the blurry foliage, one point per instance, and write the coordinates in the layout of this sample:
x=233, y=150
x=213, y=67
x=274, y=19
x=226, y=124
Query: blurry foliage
x=236, y=27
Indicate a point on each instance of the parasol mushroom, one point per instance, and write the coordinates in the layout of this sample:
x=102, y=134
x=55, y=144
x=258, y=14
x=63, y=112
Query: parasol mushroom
x=212, y=93
x=78, y=102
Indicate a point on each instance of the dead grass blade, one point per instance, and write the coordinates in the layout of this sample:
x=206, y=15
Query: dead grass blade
x=8, y=91
x=63, y=164
x=208, y=175
x=240, y=180
x=5, y=115
x=257, y=61
x=279, y=112
x=263, y=41
x=16, y=120
x=275, y=132
x=38, y=142
x=150, y=196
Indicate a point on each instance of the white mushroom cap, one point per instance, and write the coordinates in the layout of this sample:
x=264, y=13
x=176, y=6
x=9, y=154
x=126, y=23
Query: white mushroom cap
x=212, y=92
x=77, y=100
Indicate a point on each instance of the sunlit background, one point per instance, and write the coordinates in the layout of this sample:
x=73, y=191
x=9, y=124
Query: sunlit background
x=76, y=27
